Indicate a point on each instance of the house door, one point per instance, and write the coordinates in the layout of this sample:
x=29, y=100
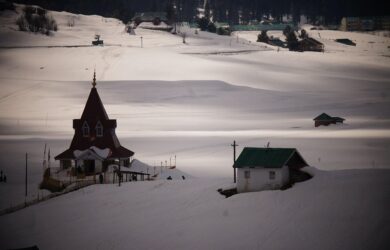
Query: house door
x=89, y=166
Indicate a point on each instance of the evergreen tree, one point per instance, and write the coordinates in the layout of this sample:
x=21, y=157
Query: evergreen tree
x=203, y=23
x=207, y=10
x=263, y=37
x=292, y=41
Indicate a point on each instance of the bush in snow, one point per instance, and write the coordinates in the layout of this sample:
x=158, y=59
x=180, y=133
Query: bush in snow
x=292, y=41
x=184, y=36
x=211, y=27
x=287, y=30
x=36, y=20
x=263, y=37
x=303, y=34
x=223, y=31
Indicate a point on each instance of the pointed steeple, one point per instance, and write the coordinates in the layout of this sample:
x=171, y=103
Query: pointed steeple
x=101, y=129
x=94, y=109
x=94, y=79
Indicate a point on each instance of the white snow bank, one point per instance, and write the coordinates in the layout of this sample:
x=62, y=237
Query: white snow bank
x=334, y=210
x=158, y=172
x=102, y=153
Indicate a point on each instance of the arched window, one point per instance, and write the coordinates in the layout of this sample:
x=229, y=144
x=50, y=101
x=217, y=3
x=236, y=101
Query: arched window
x=99, y=129
x=85, y=129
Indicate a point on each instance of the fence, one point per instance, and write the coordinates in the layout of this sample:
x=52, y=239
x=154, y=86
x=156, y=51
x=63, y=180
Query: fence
x=78, y=184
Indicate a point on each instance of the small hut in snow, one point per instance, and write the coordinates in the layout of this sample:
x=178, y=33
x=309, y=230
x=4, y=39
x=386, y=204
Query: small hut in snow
x=267, y=168
x=325, y=119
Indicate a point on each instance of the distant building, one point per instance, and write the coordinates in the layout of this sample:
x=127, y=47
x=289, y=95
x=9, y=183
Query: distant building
x=345, y=41
x=357, y=24
x=222, y=28
x=263, y=26
x=325, y=120
x=267, y=168
x=95, y=145
x=310, y=44
x=275, y=41
x=382, y=23
x=151, y=17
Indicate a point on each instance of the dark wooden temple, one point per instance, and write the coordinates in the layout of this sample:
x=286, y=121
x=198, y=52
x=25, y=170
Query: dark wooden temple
x=95, y=145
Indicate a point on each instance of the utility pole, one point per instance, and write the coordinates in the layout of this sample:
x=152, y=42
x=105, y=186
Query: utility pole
x=119, y=175
x=234, y=145
x=26, y=177
x=142, y=42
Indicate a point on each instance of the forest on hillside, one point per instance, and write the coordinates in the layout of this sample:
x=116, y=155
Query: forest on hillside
x=231, y=11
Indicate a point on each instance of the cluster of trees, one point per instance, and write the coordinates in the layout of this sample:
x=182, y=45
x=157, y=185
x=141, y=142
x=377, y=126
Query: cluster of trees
x=290, y=34
x=36, y=20
x=178, y=10
x=330, y=11
x=231, y=11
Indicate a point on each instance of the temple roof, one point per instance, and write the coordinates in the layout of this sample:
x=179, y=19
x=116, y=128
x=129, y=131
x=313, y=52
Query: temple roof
x=93, y=114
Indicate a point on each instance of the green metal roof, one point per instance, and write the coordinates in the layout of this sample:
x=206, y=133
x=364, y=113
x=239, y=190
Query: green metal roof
x=338, y=119
x=258, y=27
x=264, y=157
x=323, y=117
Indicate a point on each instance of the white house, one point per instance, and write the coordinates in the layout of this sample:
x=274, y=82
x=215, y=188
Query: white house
x=266, y=168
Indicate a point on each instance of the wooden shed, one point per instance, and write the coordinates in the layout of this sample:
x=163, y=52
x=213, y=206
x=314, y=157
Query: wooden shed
x=325, y=120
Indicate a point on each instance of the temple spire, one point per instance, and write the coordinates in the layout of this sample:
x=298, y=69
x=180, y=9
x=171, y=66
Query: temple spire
x=94, y=79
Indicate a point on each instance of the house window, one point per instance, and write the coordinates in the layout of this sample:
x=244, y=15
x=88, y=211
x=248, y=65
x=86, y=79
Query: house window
x=247, y=174
x=272, y=175
x=85, y=129
x=99, y=129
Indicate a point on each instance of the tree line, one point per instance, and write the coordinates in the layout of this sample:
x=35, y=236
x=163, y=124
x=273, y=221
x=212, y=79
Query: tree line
x=231, y=11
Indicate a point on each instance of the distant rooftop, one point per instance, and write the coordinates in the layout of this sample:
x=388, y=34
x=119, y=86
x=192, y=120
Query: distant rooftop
x=150, y=16
x=267, y=157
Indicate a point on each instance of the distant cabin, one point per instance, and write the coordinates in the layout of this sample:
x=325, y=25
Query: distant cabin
x=310, y=44
x=151, y=17
x=267, y=168
x=359, y=23
x=325, y=120
x=274, y=41
x=222, y=28
x=345, y=41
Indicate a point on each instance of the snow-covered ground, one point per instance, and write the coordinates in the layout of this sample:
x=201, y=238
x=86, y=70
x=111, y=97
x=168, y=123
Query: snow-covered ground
x=191, y=100
x=345, y=209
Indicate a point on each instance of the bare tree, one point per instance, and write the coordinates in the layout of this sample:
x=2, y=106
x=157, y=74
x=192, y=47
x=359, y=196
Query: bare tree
x=184, y=36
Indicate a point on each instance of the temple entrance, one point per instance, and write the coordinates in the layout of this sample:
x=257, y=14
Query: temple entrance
x=89, y=166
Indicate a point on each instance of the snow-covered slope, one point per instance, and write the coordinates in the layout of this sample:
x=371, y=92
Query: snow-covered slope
x=158, y=172
x=334, y=210
x=191, y=100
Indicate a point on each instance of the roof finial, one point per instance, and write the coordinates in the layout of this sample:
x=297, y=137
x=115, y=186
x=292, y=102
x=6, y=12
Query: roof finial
x=94, y=78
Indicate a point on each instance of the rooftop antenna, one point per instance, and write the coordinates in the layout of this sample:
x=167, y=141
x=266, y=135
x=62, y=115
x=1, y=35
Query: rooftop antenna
x=234, y=145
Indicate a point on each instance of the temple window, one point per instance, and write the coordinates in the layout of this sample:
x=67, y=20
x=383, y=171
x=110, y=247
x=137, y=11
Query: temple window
x=85, y=129
x=99, y=129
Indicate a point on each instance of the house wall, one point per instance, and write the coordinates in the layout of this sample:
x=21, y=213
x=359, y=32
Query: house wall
x=65, y=164
x=324, y=123
x=259, y=179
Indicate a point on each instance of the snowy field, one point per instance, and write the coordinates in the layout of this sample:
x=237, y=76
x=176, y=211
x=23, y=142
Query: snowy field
x=346, y=209
x=192, y=100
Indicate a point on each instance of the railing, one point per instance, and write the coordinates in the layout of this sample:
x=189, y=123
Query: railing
x=78, y=185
